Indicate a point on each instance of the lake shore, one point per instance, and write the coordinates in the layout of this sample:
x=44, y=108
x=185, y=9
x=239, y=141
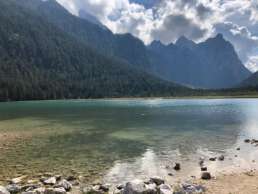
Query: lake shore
x=48, y=183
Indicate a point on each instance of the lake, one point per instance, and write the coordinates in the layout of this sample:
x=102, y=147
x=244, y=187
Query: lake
x=117, y=140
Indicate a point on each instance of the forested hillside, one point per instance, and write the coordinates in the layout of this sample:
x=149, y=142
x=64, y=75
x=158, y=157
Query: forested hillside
x=40, y=61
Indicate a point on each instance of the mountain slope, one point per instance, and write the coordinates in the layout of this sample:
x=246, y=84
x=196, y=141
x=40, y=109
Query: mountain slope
x=125, y=46
x=39, y=61
x=210, y=64
x=252, y=81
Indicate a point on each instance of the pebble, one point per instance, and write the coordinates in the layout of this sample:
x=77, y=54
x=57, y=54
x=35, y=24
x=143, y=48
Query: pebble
x=206, y=176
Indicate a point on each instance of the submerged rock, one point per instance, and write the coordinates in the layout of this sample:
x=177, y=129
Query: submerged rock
x=206, y=176
x=3, y=190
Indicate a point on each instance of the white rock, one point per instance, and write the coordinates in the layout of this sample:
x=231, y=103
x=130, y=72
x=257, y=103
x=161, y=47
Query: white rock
x=50, y=181
x=18, y=179
x=138, y=187
x=165, y=189
x=3, y=190
x=65, y=184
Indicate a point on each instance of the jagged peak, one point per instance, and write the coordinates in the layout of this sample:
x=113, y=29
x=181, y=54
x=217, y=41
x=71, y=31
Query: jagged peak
x=185, y=42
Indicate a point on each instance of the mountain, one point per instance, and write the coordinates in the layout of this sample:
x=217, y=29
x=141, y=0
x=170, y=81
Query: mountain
x=41, y=61
x=85, y=15
x=211, y=64
x=252, y=81
x=183, y=42
x=125, y=46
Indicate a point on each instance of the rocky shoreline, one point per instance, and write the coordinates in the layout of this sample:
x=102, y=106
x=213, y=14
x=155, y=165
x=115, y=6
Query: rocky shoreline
x=49, y=183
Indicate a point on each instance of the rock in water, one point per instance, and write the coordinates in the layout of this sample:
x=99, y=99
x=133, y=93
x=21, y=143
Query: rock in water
x=65, y=184
x=206, y=176
x=213, y=159
x=204, y=168
x=157, y=180
x=177, y=166
x=247, y=140
x=3, y=190
x=50, y=181
x=221, y=158
x=165, y=189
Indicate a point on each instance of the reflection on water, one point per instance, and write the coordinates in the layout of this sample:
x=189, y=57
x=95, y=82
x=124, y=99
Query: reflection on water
x=121, y=139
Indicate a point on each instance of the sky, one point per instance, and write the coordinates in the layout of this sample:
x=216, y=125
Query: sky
x=167, y=20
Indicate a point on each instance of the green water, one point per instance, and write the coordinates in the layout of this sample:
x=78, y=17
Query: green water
x=121, y=139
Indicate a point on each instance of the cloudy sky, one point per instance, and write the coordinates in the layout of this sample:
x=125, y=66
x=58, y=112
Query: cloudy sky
x=167, y=20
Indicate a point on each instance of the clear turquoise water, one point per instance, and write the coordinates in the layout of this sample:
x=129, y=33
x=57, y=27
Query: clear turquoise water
x=121, y=139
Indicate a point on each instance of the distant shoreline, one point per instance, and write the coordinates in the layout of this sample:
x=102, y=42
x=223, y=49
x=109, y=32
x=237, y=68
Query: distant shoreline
x=146, y=98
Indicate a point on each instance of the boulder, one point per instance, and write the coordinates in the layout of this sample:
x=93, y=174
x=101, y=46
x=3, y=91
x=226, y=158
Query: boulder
x=206, y=176
x=65, y=184
x=3, y=190
x=177, y=166
x=213, y=159
x=137, y=187
x=157, y=180
x=238, y=149
x=165, y=189
x=50, y=181
x=247, y=140
x=13, y=188
x=204, y=168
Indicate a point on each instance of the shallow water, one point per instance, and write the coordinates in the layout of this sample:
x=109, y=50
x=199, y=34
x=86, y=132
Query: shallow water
x=121, y=139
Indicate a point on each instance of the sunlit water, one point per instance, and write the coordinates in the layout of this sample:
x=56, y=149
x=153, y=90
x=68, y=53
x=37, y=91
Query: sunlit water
x=117, y=140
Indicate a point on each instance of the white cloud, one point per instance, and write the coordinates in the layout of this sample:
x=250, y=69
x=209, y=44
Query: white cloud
x=166, y=20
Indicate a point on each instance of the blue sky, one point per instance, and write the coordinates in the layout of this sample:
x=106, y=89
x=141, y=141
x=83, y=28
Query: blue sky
x=167, y=20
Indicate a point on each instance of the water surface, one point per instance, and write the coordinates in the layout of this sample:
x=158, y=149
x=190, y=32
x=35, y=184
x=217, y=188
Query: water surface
x=117, y=140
